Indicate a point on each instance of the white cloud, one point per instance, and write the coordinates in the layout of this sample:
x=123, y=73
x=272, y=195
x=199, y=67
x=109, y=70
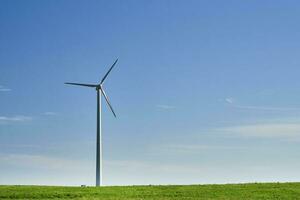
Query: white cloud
x=40, y=161
x=17, y=118
x=266, y=108
x=139, y=165
x=22, y=146
x=285, y=130
x=33, y=169
x=232, y=102
x=190, y=149
x=165, y=107
x=4, y=89
x=229, y=100
x=50, y=113
x=194, y=148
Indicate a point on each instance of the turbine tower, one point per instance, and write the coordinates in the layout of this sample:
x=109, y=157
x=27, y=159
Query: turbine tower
x=100, y=92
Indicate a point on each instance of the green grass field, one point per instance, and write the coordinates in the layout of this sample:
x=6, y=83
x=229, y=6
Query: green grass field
x=228, y=191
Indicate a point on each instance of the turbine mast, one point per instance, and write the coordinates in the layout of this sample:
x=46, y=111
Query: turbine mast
x=99, y=142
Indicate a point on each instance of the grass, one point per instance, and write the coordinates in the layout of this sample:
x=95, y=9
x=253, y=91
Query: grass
x=190, y=192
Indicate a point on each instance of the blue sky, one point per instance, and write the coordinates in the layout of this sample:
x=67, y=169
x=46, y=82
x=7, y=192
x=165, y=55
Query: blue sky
x=205, y=91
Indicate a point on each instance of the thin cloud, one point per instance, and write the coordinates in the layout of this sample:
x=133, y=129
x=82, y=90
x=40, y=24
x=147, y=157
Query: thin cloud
x=191, y=148
x=50, y=113
x=265, y=108
x=41, y=161
x=17, y=118
x=14, y=119
x=199, y=147
x=283, y=130
x=4, y=89
x=140, y=165
x=229, y=100
x=232, y=102
x=22, y=146
x=165, y=107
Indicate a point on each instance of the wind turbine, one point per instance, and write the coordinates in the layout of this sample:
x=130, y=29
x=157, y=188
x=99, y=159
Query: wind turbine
x=99, y=89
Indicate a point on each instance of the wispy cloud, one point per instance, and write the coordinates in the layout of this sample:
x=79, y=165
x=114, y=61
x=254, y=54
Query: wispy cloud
x=140, y=165
x=165, y=107
x=284, y=130
x=22, y=146
x=191, y=148
x=14, y=119
x=229, y=100
x=4, y=89
x=233, y=103
x=17, y=118
x=266, y=108
x=40, y=161
x=50, y=113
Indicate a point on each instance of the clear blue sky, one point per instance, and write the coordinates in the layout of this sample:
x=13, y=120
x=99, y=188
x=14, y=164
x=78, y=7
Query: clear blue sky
x=205, y=91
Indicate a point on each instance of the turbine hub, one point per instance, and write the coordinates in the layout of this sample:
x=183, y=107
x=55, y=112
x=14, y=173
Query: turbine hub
x=98, y=87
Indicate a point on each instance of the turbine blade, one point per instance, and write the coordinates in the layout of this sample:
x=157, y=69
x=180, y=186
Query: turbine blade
x=107, y=101
x=103, y=79
x=82, y=84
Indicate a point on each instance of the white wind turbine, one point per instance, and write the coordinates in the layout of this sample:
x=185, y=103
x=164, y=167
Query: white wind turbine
x=100, y=91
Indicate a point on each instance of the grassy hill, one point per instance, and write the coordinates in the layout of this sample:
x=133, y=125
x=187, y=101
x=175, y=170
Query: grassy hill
x=224, y=192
